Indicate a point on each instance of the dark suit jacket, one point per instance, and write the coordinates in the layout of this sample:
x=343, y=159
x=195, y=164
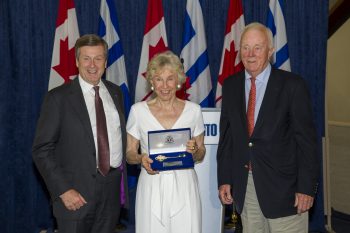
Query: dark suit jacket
x=64, y=150
x=282, y=148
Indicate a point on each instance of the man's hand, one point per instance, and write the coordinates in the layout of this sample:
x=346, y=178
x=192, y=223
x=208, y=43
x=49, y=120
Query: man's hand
x=303, y=202
x=225, y=194
x=72, y=200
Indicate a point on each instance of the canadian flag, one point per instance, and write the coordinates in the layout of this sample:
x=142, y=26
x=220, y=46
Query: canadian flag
x=154, y=41
x=63, y=66
x=230, y=60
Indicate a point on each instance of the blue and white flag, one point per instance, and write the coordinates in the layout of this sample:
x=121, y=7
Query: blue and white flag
x=195, y=56
x=276, y=23
x=109, y=31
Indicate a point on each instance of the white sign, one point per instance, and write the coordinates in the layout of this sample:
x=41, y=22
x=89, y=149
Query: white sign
x=211, y=117
x=212, y=210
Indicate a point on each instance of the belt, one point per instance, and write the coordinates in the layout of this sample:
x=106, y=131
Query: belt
x=249, y=166
x=111, y=169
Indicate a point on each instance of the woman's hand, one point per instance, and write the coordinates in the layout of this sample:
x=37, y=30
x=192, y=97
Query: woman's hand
x=196, y=147
x=146, y=163
x=133, y=157
x=191, y=146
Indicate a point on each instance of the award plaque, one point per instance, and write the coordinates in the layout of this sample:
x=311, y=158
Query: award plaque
x=167, y=149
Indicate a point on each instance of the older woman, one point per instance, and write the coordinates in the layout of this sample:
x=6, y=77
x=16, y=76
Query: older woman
x=166, y=201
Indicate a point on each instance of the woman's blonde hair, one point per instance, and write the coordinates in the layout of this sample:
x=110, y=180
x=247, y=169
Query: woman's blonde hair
x=162, y=60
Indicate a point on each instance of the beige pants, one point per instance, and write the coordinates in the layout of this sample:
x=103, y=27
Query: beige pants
x=254, y=221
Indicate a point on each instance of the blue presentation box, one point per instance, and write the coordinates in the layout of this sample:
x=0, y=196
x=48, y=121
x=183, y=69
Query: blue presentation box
x=167, y=149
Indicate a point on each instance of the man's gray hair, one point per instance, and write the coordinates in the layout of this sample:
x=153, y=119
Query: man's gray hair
x=262, y=28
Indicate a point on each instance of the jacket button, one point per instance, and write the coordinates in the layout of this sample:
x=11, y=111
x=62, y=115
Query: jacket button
x=250, y=144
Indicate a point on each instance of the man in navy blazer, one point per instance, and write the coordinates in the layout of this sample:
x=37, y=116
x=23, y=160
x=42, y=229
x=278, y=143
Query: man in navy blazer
x=65, y=145
x=270, y=175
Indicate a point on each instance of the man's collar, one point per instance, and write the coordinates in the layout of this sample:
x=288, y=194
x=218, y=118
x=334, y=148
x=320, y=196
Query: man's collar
x=262, y=76
x=85, y=86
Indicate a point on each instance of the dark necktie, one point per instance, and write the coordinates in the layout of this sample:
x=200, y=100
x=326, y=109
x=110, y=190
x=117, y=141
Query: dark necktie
x=102, y=136
x=251, y=106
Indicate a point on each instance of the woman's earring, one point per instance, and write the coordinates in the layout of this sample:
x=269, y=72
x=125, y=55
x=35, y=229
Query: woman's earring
x=152, y=88
x=178, y=86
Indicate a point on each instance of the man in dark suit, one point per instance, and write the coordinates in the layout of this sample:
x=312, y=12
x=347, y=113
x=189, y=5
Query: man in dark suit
x=267, y=159
x=82, y=162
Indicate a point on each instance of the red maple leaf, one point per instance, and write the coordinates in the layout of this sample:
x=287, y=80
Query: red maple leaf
x=229, y=67
x=153, y=50
x=66, y=67
x=160, y=47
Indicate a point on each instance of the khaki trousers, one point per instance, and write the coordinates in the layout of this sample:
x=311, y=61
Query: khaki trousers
x=253, y=220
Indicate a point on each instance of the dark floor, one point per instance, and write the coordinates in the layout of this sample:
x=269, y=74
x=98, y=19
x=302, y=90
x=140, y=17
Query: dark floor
x=340, y=222
x=131, y=229
x=340, y=227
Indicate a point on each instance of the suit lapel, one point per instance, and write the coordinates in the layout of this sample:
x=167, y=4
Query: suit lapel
x=242, y=99
x=78, y=103
x=270, y=97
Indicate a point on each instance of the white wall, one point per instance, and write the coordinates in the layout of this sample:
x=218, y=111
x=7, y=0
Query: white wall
x=338, y=111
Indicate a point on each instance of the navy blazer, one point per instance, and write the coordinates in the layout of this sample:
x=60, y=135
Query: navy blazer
x=282, y=148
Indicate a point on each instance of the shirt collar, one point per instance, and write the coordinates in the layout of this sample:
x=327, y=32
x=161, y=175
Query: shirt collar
x=263, y=76
x=86, y=87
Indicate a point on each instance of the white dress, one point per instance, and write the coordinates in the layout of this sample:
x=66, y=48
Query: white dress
x=167, y=202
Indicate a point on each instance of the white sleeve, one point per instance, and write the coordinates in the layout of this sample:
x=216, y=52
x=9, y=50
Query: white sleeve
x=198, y=122
x=132, y=125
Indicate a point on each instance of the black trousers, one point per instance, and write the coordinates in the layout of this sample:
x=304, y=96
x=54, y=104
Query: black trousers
x=104, y=210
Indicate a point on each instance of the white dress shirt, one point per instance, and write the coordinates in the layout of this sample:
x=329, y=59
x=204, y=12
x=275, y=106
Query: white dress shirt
x=112, y=120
